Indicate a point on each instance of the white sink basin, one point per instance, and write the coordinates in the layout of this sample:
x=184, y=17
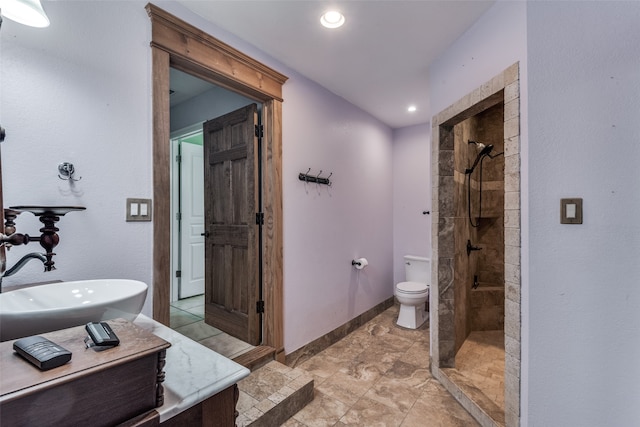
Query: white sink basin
x=47, y=308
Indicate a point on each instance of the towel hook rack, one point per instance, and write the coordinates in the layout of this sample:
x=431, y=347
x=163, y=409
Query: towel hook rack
x=315, y=178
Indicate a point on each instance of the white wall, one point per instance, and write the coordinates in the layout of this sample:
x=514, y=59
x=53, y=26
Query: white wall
x=80, y=91
x=327, y=227
x=411, y=195
x=496, y=41
x=208, y=105
x=584, y=296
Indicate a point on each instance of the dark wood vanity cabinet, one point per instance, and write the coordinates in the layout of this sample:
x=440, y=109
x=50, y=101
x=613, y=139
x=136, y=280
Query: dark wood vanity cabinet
x=118, y=385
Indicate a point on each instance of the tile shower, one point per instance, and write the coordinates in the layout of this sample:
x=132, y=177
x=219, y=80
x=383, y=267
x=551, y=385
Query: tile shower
x=478, y=291
x=479, y=222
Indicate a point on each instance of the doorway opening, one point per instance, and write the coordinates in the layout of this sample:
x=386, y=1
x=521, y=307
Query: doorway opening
x=476, y=277
x=177, y=44
x=194, y=103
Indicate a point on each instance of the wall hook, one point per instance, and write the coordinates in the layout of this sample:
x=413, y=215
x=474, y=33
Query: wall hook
x=66, y=171
x=315, y=178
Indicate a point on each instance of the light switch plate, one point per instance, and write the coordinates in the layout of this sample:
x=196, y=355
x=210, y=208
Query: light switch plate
x=571, y=211
x=138, y=210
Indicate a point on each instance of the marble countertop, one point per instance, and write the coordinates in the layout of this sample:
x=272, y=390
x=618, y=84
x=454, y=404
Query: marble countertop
x=193, y=372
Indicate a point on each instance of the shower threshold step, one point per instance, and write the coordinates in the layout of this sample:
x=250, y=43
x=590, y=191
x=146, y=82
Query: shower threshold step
x=479, y=405
x=256, y=357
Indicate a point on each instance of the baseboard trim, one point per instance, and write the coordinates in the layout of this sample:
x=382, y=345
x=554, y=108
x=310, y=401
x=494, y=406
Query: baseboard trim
x=316, y=346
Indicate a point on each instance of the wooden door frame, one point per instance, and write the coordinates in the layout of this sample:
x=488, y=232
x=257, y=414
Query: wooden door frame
x=177, y=44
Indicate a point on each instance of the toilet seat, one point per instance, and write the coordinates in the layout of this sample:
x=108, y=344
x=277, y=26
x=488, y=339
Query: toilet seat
x=411, y=287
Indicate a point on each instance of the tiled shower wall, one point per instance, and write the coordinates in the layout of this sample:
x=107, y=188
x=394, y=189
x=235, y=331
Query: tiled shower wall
x=480, y=309
x=502, y=89
x=487, y=301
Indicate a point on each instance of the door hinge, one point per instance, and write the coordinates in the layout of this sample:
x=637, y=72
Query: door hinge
x=178, y=216
x=260, y=306
x=259, y=131
x=179, y=158
x=178, y=273
x=260, y=218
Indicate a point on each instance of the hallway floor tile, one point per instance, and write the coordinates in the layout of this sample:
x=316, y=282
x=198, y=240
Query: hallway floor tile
x=187, y=318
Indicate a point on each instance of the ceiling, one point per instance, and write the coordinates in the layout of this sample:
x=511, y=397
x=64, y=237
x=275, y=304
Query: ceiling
x=378, y=60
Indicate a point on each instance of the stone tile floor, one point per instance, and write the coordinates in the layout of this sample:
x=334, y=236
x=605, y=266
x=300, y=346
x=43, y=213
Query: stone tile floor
x=378, y=376
x=187, y=318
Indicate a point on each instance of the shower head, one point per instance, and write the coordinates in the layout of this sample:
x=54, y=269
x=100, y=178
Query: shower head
x=484, y=151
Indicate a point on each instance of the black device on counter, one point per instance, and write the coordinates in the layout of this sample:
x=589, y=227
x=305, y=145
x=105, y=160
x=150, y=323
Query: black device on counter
x=102, y=334
x=41, y=352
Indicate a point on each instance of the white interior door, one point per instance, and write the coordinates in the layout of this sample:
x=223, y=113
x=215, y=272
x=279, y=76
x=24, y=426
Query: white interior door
x=192, y=208
x=175, y=222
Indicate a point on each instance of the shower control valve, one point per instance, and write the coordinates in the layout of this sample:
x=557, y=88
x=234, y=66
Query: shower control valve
x=471, y=248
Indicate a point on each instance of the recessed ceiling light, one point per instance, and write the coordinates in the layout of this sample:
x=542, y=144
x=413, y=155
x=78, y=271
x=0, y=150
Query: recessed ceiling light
x=412, y=108
x=332, y=19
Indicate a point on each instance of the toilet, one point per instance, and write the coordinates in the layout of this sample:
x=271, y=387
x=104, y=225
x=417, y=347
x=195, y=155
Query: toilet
x=412, y=294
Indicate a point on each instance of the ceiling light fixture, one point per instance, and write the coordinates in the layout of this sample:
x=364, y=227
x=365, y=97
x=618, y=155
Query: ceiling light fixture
x=332, y=19
x=412, y=109
x=26, y=12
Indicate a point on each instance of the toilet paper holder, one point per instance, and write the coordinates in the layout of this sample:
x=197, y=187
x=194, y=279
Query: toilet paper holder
x=359, y=263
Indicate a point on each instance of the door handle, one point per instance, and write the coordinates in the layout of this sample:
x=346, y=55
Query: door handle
x=205, y=234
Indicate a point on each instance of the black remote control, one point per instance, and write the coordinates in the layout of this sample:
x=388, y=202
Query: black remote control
x=41, y=352
x=101, y=334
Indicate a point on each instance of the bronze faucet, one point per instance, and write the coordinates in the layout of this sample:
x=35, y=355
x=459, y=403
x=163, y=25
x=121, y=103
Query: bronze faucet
x=21, y=263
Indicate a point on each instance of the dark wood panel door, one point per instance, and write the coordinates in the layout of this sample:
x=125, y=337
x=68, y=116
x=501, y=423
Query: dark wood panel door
x=231, y=204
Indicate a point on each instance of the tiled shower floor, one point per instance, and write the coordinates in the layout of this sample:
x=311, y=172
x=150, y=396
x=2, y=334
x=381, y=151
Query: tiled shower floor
x=481, y=359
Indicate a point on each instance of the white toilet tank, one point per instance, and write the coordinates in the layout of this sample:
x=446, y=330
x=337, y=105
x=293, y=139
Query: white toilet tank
x=417, y=269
